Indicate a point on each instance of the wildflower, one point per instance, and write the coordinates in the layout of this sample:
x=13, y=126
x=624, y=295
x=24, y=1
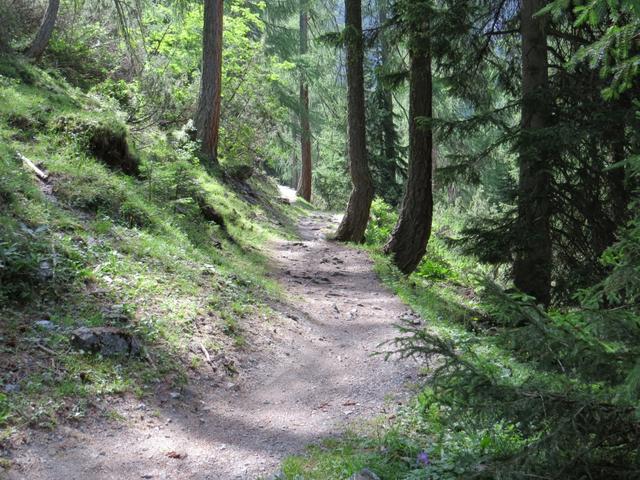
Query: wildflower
x=423, y=458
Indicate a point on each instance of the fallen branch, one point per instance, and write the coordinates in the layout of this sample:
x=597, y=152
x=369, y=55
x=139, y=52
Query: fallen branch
x=45, y=349
x=32, y=166
x=149, y=359
x=204, y=350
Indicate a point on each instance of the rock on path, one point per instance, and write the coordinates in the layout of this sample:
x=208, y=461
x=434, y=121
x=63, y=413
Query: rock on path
x=316, y=377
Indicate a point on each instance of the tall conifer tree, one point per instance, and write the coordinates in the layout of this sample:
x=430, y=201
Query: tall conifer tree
x=408, y=241
x=355, y=220
x=532, y=267
x=208, y=115
x=304, y=185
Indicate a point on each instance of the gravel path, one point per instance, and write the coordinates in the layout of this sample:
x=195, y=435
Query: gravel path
x=313, y=378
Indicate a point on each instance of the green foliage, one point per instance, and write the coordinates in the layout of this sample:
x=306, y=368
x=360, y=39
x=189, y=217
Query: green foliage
x=381, y=222
x=554, y=379
x=5, y=409
x=73, y=53
x=431, y=269
x=622, y=286
x=29, y=260
x=613, y=51
x=331, y=183
x=514, y=391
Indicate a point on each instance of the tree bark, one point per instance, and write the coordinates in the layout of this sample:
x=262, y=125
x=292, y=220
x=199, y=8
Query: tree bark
x=295, y=176
x=40, y=42
x=304, y=187
x=532, y=266
x=408, y=241
x=208, y=114
x=356, y=217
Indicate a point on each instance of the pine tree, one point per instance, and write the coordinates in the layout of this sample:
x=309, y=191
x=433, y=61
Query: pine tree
x=532, y=267
x=208, y=115
x=408, y=242
x=304, y=186
x=356, y=217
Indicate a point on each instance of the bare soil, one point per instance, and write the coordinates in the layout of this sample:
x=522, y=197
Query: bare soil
x=310, y=379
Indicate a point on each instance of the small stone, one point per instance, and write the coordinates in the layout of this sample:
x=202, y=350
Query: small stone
x=45, y=324
x=45, y=272
x=174, y=395
x=116, y=314
x=411, y=318
x=107, y=341
x=11, y=388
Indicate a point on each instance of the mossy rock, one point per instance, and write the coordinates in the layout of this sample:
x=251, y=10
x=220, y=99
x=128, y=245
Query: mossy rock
x=107, y=140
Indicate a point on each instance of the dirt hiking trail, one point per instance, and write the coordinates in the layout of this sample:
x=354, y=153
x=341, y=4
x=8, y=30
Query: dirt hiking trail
x=312, y=379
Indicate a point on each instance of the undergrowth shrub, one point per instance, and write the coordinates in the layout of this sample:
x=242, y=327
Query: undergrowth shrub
x=125, y=94
x=382, y=219
x=135, y=214
x=72, y=51
x=434, y=269
x=560, y=381
x=12, y=68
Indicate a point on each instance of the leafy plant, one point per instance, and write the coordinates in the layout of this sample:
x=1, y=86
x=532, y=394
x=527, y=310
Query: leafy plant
x=382, y=220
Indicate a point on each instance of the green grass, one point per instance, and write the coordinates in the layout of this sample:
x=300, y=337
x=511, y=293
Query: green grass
x=95, y=238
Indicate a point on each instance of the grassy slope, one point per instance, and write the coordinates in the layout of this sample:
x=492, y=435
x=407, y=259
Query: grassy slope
x=94, y=247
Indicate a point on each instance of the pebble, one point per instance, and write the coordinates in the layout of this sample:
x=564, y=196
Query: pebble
x=11, y=388
x=45, y=324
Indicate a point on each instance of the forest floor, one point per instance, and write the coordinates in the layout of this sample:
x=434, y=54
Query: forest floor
x=315, y=378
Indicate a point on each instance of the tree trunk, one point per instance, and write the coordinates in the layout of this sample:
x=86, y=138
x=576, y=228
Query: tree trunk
x=408, y=241
x=304, y=187
x=208, y=115
x=39, y=44
x=355, y=220
x=616, y=177
x=295, y=176
x=532, y=266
